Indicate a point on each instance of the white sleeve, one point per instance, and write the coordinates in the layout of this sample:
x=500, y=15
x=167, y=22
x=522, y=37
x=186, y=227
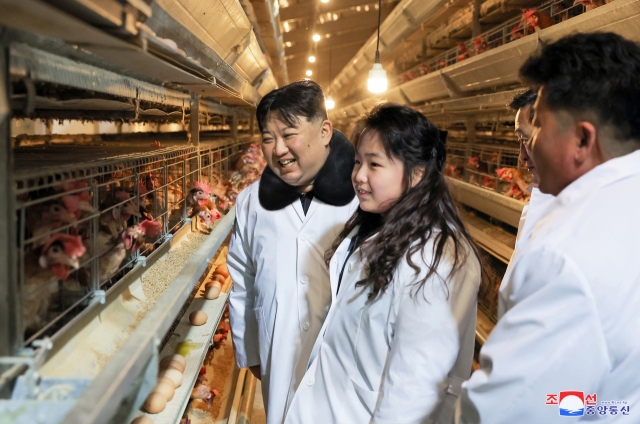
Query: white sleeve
x=550, y=341
x=241, y=299
x=424, y=348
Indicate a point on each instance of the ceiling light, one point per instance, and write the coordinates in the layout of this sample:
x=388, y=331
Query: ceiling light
x=288, y=44
x=324, y=1
x=377, y=82
x=312, y=59
x=316, y=37
x=329, y=103
x=309, y=73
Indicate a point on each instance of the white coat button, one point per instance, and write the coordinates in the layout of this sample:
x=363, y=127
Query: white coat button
x=306, y=326
x=304, y=280
x=303, y=237
x=310, y=381
x=349, y=266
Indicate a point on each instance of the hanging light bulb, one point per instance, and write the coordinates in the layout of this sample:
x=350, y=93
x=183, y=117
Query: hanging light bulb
x=309, y=73
x=312, y=59
x=377, y=82
x=329, y=103
x=316, y=37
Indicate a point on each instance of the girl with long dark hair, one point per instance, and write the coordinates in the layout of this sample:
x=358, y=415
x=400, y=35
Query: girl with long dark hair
x=398, y=340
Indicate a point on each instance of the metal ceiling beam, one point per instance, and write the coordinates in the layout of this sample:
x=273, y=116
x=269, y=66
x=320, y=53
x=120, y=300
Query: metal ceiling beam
x=336, y=41
x=305, y=10
x=359, y=21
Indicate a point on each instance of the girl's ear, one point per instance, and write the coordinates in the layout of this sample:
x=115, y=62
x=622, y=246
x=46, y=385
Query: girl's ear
x=417, y=175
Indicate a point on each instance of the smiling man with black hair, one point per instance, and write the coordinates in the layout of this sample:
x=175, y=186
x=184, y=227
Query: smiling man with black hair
x=284, y=224
x=568, y=341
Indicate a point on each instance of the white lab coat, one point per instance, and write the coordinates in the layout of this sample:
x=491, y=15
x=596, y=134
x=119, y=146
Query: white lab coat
x=572, y=316
x=532, y=212
x=392, y=360
x=281, y=291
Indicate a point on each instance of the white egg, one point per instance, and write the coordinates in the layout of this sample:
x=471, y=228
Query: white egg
x=173, y=361
x=173, y=375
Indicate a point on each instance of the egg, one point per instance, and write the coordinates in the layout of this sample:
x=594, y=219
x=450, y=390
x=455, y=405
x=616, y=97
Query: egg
x=155, y=403
x=172, y=374
x=219, y=278
x=213, y=284
x=211, y=292
x=197, y=318
x=222, y=270
x=142, y=420
x=173, y=361
x=165, y=388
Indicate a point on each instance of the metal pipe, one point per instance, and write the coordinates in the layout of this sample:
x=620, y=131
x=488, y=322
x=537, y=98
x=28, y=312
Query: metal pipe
x=248, y=396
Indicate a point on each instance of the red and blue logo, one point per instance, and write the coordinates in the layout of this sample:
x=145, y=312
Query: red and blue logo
x=571, y=404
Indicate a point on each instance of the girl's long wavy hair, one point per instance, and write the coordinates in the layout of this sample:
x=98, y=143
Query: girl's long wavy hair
x=424, y=211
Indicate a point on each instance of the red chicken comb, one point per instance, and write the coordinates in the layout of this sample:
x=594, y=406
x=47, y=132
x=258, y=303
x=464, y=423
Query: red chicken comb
x=73, y=245
x=500, y=171
x=150, y=228
x=72, y=203
x=203, y=186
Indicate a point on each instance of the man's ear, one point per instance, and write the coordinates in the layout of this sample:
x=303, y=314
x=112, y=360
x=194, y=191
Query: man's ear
x=326, y=132
x=586, y=141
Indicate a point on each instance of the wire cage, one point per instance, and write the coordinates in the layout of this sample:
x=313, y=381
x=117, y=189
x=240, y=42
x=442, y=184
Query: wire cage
x=492, y=167
x=84, y=225
x=532, y=20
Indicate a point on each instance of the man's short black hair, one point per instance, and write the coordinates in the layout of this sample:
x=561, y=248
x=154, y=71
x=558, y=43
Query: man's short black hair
x=524, y=99
x=301, y=98
x=595, y=73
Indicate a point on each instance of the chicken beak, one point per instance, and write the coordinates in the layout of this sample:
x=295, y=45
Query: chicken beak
x=73, y=262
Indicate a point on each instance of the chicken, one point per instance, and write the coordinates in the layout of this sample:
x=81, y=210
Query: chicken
x=115, y=217
x=83, y=197
x=518, y=187
x=199, y=194
x=207, y=216
x=48, y=216
x=204, y=393
x=464, y=53
x=57, y=257
x=131, y=239
x=480, y=45
x=590, y=4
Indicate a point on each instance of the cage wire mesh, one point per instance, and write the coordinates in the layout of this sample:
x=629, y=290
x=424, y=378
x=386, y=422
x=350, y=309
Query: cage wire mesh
x=81, y=225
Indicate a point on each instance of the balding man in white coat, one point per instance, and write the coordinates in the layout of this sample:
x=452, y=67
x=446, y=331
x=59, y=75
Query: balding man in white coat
x=284, y=224
x=568, y=345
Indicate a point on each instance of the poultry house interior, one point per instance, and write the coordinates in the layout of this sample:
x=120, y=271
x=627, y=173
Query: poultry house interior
x=128, y=130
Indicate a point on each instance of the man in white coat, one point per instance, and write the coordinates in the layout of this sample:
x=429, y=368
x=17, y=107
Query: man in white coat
x=535, y=208
x=284, y=224
x=568, y=342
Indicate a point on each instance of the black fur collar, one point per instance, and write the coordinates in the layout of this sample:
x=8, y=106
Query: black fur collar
x=332, y=184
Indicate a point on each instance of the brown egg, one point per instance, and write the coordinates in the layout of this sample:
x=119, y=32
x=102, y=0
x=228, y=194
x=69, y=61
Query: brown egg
x=173, y=361
x=222, y=270
x=212, y=292
x=197, y=318
x=174, y=375
x=155, y=403
x=219, y=278
x=165, y=388
x=142, y=420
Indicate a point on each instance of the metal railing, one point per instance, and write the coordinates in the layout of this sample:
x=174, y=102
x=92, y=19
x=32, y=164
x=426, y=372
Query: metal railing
x=513, y=29
x=80, y=200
